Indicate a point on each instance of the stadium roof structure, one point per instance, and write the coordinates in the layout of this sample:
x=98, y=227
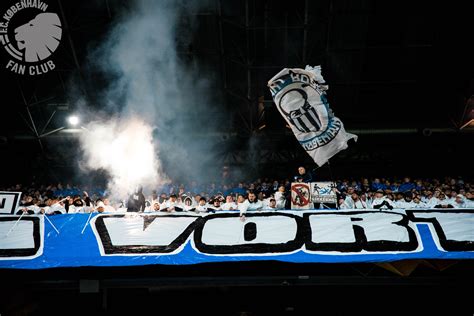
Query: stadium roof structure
x=394, y=70
x=400, y=76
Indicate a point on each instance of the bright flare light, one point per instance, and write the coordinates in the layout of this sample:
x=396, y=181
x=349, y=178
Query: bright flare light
x=126, y=150
x=73, y=120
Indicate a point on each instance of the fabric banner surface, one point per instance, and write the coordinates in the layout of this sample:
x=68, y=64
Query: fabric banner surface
x=300, y=96
x=181, y=238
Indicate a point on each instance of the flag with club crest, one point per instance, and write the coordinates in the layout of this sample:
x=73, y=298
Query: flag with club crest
x=300, y=96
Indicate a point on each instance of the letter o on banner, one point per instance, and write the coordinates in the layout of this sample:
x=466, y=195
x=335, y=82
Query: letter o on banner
x=261, y=233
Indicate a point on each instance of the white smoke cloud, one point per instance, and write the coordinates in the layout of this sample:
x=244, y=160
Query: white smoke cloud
x=125, y=149
x=158, y=102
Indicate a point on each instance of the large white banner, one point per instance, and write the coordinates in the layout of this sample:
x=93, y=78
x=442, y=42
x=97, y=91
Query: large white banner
x=188, y=238
x=300, y=95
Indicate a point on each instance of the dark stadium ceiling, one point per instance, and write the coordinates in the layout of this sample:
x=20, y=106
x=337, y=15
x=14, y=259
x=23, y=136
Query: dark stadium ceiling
x=389, y=64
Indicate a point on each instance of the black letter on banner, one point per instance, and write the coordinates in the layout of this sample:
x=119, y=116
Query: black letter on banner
x=354, y=232
x=10, y=200
x=455, y=228
x=145, y=248
x=250, y=231
x=261, y=233
x=22, y=252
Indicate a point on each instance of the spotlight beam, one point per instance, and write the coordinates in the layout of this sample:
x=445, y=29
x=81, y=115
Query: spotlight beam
x=73, y=120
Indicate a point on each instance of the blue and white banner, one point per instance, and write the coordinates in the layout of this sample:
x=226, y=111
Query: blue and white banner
x=181, y=238
x=300, y=96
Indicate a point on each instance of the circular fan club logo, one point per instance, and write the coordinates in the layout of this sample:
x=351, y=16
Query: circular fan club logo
x=30, y=35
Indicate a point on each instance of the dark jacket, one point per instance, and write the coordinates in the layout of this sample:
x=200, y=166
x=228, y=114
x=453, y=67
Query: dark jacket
x=136, y=202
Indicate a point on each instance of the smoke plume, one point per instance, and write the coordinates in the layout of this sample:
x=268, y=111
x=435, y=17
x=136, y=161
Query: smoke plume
x=154, y=104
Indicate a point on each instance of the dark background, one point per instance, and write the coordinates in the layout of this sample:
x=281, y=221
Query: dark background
x=400, y=76
x=241, y=288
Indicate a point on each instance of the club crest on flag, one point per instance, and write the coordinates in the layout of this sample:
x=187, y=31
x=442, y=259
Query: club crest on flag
x=300, y=96
x=302, y=114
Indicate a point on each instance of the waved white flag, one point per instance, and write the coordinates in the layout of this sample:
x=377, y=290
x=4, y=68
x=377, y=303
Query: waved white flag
x=300, y=95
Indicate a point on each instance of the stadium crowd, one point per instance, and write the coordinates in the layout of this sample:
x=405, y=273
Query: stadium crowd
x=262, y=194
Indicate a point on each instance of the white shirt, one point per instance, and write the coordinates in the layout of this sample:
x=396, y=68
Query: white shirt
x=169, y=204
x=464, y=204
x=212, y=208
x=359, y=204
x=32, y=207
x=268, y=208
x=351, y=204
x=280, y=200
x=418, y=205
x=187, y=207
x=343, y=206
x=201, y=208
x=424, y=199
x=109, y=208
x=432, y=202
x=56, y=207
x=255, y=206
x=229, y=206
x=469, y=203
x=442, y=202
x=242, y=207
x=378, y=201
x=404, y=204
x=45, y=208
x=74, y=209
